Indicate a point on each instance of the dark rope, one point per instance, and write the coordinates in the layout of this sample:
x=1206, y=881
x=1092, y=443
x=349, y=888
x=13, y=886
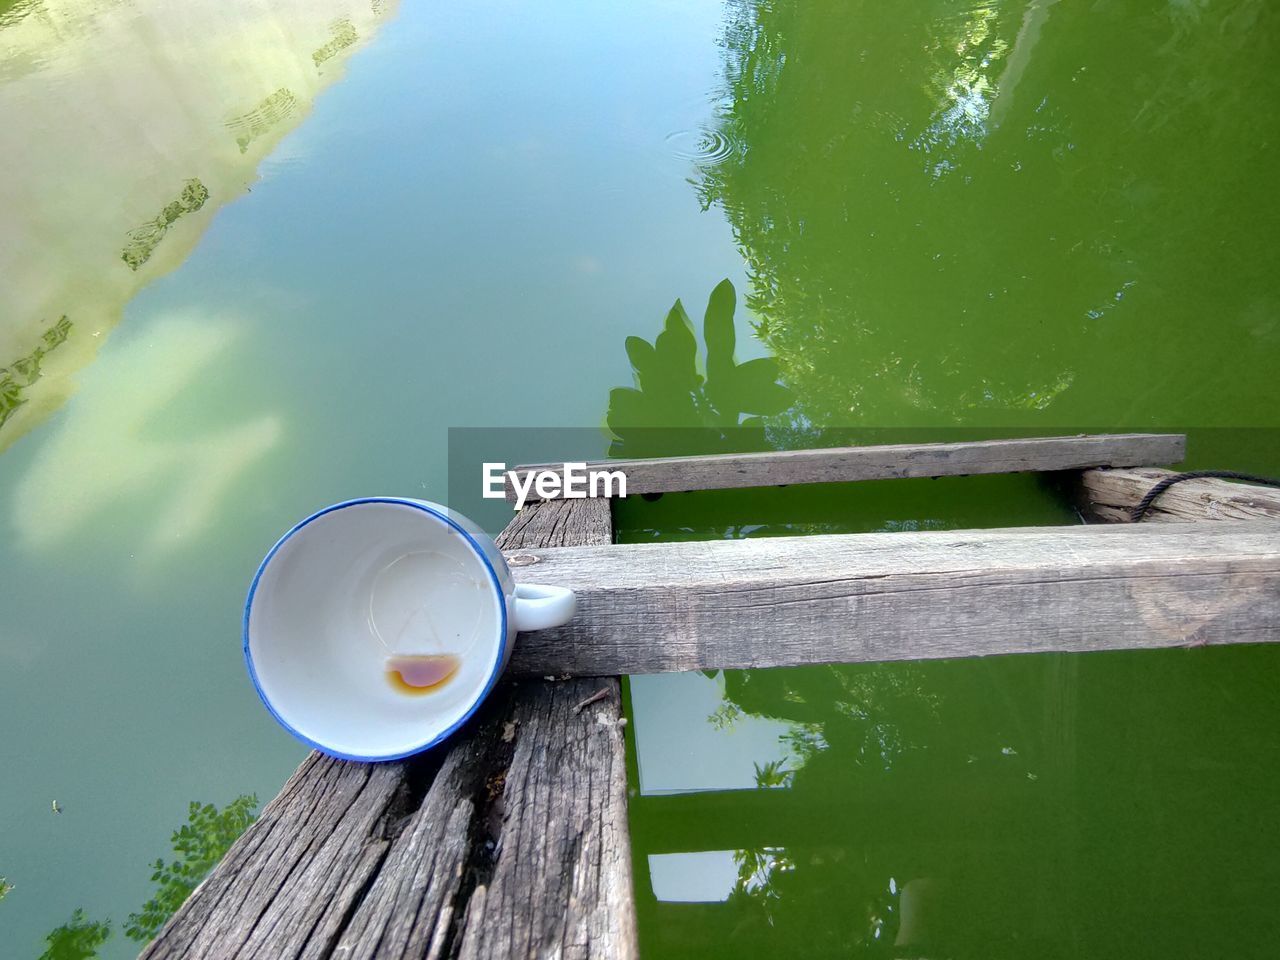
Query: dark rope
x=1140, y=510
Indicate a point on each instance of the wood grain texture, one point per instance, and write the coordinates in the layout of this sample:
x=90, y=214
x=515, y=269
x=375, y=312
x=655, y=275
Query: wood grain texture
x=509, y=841
x=559, y=523
x=297, y=871
x=561, y=883
x=842, y=464
x=1112, y=494
x=647, y=608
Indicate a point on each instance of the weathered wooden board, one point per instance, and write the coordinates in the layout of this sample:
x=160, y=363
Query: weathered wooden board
x=511, y=840
x=1112, y=494
x=311, y=853
x=647, y=608
x=841, y=464
x=560, y=884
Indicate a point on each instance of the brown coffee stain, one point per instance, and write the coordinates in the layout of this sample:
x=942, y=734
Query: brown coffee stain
x=421, y=673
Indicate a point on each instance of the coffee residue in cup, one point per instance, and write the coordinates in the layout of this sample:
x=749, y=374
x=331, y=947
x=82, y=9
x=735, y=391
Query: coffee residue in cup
x=416, y=674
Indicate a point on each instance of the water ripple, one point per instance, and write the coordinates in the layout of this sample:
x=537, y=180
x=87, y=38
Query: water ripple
x=705, y=147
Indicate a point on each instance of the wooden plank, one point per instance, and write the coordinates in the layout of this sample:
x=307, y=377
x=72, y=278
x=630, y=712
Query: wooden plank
x=510, y=840
x=895, y=461
x=1111, y=495
x=302, y=865
x=561, y=885
x=647, y=608
x=561, y=882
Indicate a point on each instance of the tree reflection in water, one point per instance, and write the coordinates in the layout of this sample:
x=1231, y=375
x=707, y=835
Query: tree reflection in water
x=1111, y=805
x=198, y=844
x=978, y=212
x=1047, y=806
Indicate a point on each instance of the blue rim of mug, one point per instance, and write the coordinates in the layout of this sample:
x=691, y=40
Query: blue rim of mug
x=475, y=705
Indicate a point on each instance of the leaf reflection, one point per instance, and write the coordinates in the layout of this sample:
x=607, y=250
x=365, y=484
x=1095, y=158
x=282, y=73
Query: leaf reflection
x=680, y=406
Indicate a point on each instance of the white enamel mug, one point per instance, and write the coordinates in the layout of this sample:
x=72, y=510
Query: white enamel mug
x=357, y=585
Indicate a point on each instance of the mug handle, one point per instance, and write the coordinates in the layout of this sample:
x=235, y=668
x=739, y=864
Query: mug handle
x=539, y=606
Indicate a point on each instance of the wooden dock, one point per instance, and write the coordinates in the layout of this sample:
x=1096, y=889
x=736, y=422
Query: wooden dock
x=512, y=839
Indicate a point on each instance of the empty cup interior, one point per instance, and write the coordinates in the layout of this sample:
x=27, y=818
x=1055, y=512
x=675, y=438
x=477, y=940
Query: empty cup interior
x=351, y=588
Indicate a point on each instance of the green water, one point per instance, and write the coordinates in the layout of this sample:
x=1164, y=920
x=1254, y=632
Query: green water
x=1039, y=216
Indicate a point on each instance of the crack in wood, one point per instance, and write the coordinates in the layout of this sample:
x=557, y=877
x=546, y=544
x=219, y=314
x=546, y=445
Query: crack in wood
x=484, y=831
x=419, y=774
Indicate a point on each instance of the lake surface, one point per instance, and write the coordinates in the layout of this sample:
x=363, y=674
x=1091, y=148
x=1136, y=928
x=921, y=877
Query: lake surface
x=294, y=243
